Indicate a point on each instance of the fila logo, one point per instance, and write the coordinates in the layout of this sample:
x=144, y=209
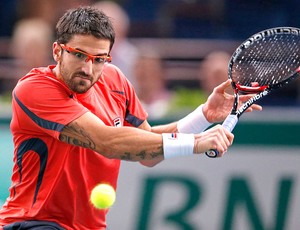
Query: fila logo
x=117, y=122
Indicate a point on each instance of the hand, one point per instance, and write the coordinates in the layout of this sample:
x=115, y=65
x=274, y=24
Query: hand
x=214, y=138
x=219, y=103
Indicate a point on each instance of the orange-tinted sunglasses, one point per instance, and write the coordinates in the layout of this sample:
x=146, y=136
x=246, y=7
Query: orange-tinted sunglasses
x=83, y=56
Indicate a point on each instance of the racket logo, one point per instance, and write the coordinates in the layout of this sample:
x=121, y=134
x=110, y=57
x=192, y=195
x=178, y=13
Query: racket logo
x=212, y=153
x=252, y=100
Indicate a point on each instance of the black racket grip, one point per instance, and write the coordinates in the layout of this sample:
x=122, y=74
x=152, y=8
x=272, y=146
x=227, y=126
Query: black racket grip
x=229, y=124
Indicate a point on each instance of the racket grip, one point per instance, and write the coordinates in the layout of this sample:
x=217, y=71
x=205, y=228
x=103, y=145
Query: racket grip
x=229, y=124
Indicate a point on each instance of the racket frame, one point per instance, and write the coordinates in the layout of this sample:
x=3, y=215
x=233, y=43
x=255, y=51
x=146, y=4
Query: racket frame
x=261, y=91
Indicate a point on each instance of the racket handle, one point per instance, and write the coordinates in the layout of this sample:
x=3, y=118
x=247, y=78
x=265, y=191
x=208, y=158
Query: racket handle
x=228, y=124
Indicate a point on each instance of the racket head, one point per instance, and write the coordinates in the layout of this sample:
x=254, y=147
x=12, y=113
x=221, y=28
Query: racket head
x=265, y=60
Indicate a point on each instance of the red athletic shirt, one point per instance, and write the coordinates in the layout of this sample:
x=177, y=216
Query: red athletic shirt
x=52, y=180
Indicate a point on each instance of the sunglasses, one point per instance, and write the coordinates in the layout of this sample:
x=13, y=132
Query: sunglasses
x=83, y=56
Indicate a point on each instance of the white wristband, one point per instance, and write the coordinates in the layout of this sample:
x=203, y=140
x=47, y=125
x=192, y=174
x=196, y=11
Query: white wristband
x=178, y=144
x=195, y=122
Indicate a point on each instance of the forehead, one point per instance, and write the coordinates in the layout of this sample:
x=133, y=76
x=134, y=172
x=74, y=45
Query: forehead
x=90, y=44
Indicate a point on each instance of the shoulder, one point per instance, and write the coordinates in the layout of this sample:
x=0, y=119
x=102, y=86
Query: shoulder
x=40, y=81
x=37, y=76
x=113, y=77
x=112, y=71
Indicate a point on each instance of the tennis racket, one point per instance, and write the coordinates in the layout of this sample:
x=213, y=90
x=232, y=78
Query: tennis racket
x=265, y=62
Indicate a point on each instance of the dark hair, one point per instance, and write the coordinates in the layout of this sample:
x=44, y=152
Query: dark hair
x=86, y=21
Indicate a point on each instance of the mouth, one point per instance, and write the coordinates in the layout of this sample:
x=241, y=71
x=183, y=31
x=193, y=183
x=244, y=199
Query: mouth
x=84, y=77
x=80, y=82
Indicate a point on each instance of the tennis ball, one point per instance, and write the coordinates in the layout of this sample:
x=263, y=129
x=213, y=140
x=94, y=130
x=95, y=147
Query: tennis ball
x=103, y=196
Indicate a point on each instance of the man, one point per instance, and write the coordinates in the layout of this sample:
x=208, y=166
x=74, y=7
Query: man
x=73, y=122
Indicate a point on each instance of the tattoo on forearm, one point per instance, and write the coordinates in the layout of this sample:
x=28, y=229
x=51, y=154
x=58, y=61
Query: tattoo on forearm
x=154, y=155
x=126, y=156
x=158, y=153
x=142, y=155
x=75, y=135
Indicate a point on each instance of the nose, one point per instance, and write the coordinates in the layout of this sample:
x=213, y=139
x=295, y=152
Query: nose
x=89, y=59
x=88, y=66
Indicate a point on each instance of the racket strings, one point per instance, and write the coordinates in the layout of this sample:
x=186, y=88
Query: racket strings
x=267, y=61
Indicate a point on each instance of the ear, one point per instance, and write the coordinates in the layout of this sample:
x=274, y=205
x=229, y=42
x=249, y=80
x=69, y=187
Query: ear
x=56, y=51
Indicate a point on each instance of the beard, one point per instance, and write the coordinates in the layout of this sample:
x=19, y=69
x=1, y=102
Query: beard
x=79, y=82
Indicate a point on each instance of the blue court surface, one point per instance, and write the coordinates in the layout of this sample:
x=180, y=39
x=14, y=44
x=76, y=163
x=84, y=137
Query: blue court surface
x=6, y=156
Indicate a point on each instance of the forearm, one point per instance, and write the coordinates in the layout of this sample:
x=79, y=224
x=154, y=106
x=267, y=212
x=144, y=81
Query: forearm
x=116, y=143
x=195, y=122
x=168, y=128
x=131, y=144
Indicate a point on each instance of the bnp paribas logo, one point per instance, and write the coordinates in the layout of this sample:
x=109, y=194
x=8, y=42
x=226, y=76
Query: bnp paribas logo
x=117, y=122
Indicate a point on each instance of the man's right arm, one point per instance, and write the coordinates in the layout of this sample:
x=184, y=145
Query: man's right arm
x=123, y=143
x=132, y=144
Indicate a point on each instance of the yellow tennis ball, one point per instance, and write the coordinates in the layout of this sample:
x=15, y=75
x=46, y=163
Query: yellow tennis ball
x=103, y=196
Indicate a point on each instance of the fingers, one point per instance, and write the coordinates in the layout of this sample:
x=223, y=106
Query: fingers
x=223, y=86
x=254, y=107
x=225, y=141
x=244, y=98
x=215, y=138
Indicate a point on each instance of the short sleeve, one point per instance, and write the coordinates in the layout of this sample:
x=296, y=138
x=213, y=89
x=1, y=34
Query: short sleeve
x=135, y=114
x=44, y=104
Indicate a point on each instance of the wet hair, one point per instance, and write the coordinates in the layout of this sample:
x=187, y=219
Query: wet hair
x=84, y=20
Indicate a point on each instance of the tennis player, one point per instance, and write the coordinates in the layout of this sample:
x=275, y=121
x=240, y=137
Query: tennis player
x=73, y=122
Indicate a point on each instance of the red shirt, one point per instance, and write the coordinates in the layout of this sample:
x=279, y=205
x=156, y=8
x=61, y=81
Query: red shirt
x=52, y=180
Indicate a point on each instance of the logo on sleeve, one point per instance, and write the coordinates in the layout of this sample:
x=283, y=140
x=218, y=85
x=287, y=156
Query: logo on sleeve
x=173, y=136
